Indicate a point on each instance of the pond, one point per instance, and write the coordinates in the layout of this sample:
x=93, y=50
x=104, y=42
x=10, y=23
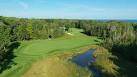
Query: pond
x=85, y=60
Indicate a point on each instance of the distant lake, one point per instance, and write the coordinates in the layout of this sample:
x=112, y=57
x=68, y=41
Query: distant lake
x=130, y=21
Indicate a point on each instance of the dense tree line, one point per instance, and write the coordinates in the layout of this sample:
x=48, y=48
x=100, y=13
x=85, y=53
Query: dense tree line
x=25, y=29
x=4, y=41
x=120, y=37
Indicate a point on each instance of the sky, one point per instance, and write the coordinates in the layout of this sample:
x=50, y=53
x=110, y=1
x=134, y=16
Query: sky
x=70, y=9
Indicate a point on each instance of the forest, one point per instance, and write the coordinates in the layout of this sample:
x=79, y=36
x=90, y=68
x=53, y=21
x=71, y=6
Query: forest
x=119, y=38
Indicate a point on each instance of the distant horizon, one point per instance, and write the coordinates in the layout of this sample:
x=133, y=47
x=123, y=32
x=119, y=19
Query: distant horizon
x=70, y=18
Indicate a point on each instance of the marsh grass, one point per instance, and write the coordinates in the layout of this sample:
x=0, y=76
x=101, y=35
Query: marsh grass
x=56, y=66
x=113, y=65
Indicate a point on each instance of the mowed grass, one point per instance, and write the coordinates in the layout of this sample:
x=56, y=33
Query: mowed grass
x=35, y=50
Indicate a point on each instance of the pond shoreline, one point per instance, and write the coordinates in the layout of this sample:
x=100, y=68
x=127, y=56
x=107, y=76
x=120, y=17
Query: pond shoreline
x=85, y=60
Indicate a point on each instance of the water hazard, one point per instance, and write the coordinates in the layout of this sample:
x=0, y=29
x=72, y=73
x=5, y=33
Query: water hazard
x=85, y=60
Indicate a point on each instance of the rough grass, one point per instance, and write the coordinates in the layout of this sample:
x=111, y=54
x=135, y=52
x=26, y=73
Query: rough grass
x=104, y=63
x=57, y=66
x=113, y=65
x=31, y=51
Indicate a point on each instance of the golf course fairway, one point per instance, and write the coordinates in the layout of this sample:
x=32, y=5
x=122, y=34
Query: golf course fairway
x=40, y=58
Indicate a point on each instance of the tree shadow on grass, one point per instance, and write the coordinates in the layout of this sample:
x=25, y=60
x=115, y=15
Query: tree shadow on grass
x=8, y=58
x=88, y=34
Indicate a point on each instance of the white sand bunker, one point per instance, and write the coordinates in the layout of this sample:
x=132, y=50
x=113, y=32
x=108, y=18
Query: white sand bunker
x=70, y=34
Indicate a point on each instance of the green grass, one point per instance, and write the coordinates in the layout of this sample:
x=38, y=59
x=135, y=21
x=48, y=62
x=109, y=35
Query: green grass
x=59, y=65
x=34, y=50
